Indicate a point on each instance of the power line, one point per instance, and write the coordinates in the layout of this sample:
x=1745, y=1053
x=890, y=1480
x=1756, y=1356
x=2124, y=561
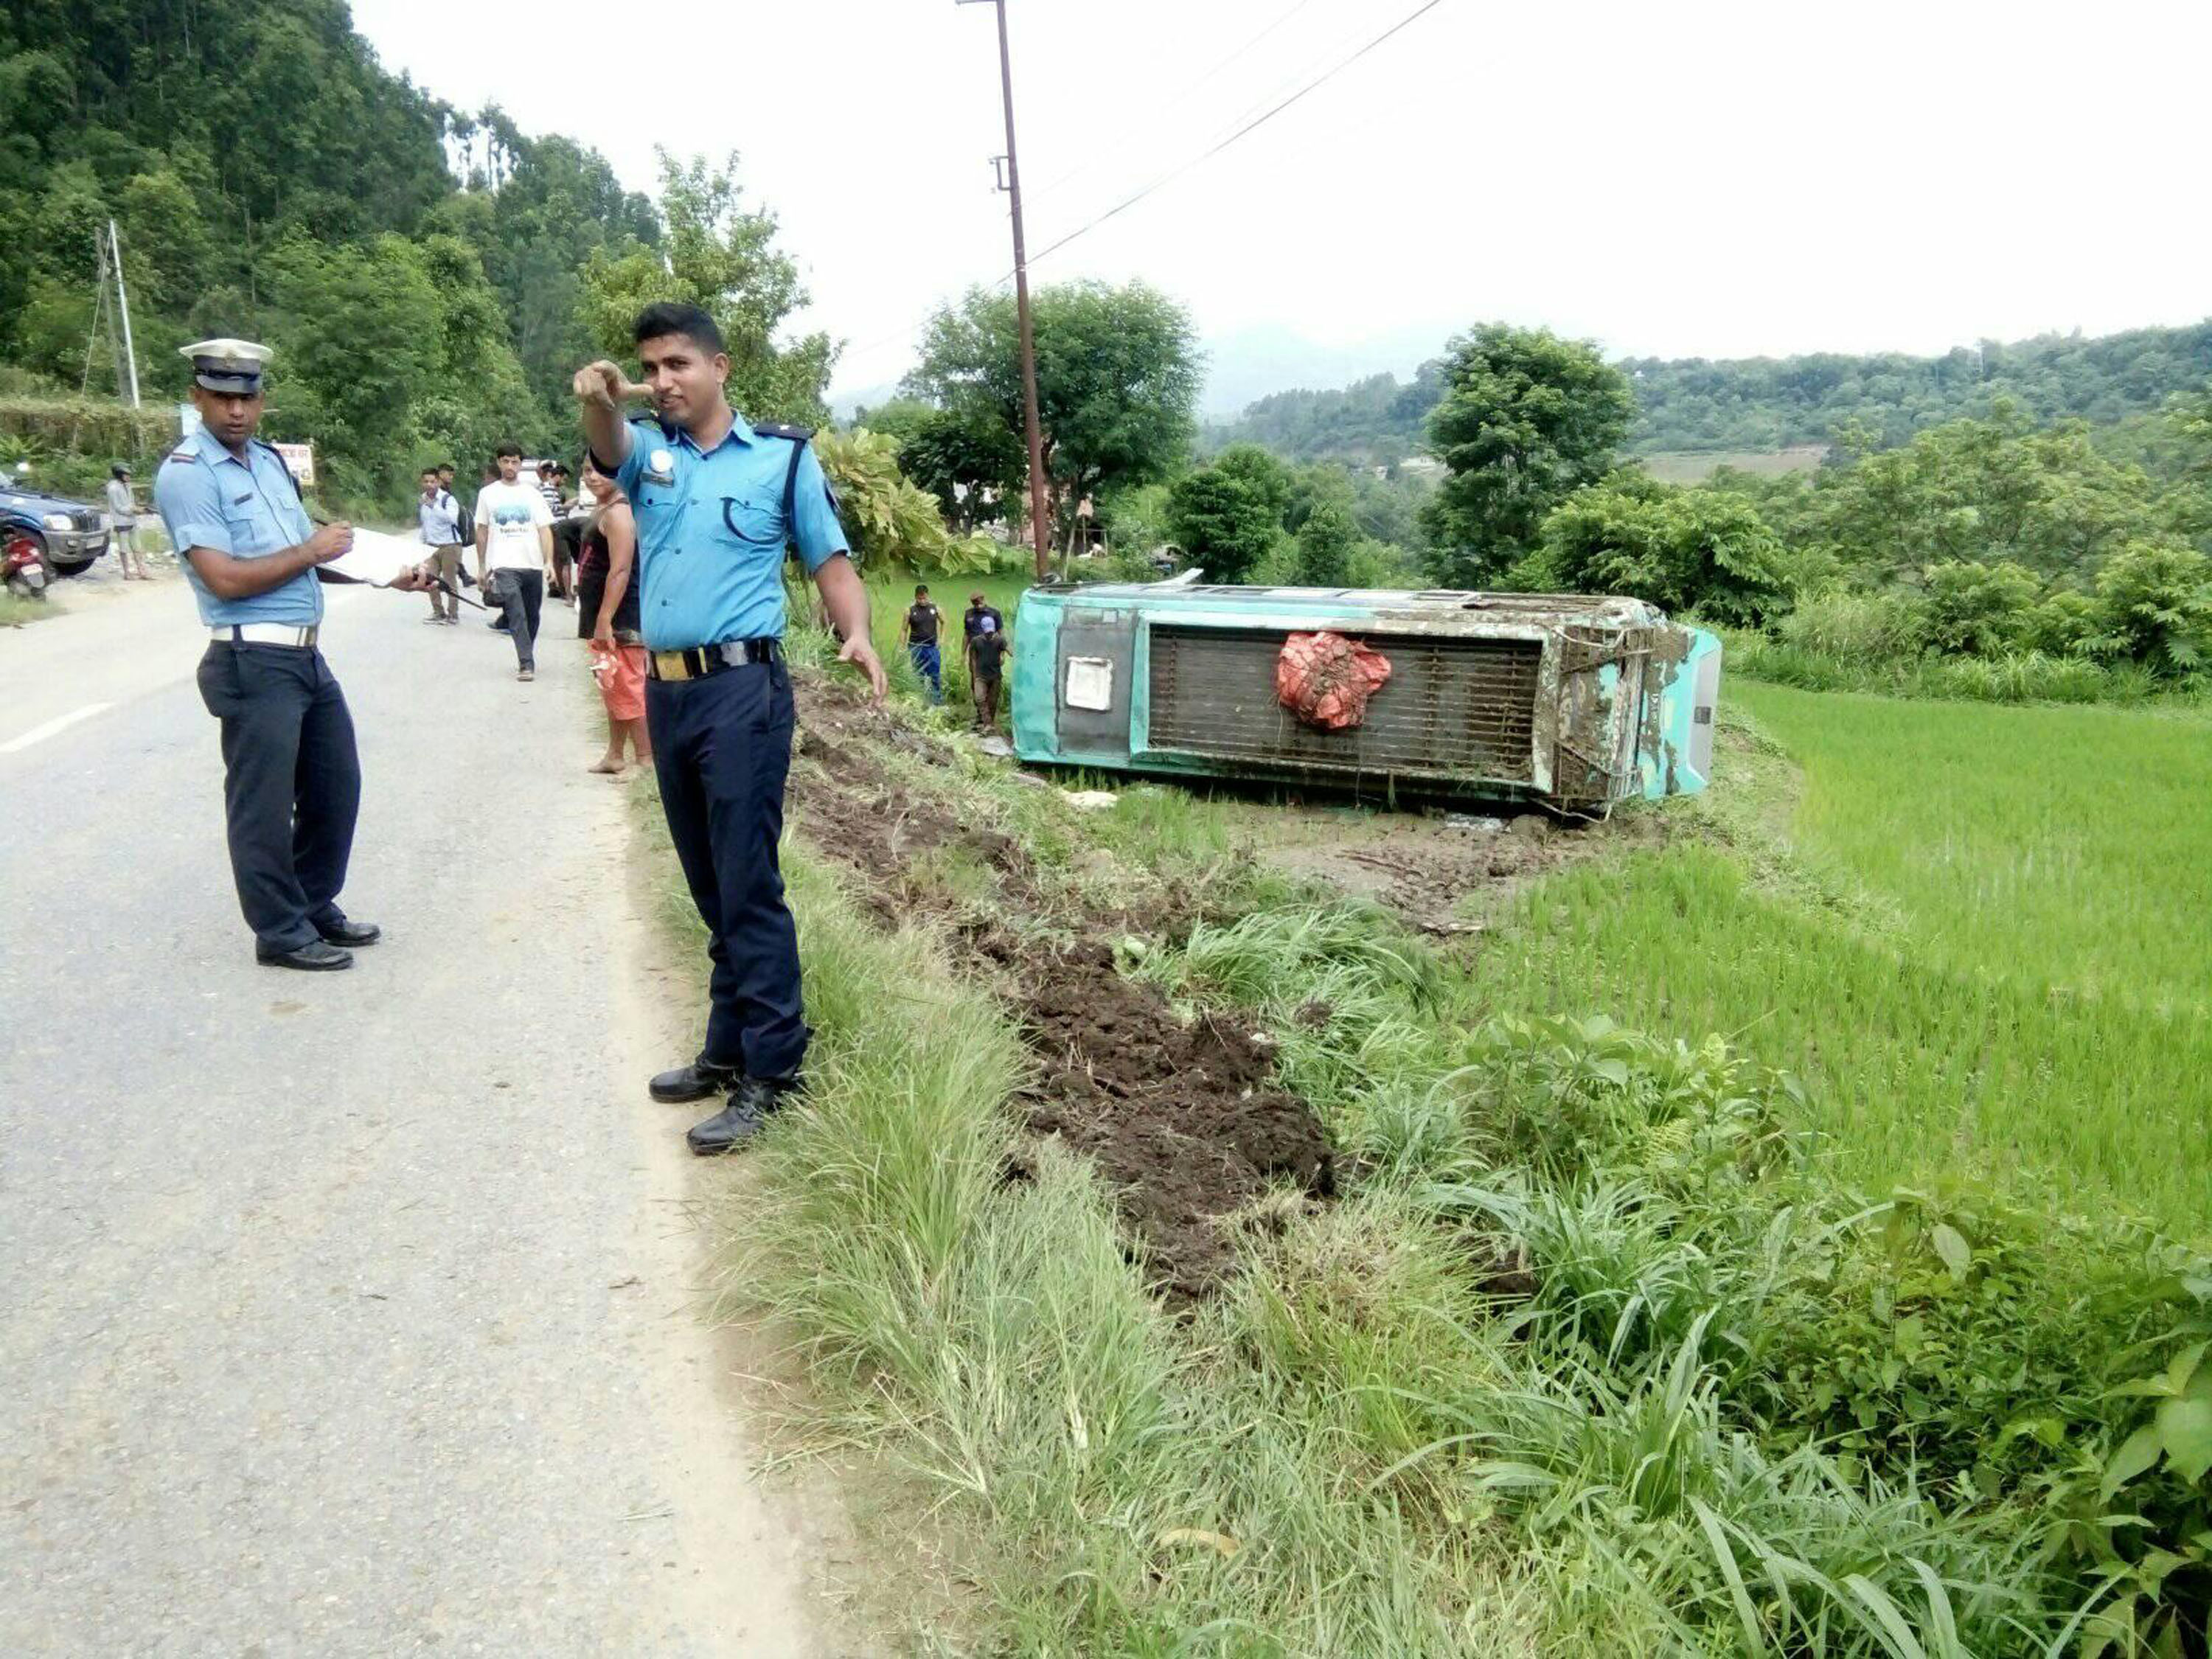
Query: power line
x=1177, y=96
x=867, y=348
x=1177, y=172
x=1258, y=121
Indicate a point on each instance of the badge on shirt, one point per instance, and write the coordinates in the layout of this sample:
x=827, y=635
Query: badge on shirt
x=660, y=467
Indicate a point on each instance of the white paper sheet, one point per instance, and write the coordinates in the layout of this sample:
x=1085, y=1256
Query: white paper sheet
x=376, y=558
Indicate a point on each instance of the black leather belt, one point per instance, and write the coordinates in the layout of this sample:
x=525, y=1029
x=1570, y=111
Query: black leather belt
x=696, y=662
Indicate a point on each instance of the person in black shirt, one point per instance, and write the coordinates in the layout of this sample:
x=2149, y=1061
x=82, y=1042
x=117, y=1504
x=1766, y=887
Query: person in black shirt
x=923, y=620
x=979, y=611
x=987, y=650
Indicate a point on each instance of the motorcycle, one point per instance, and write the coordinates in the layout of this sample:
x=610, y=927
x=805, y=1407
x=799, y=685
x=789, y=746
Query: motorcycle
x=24, y=565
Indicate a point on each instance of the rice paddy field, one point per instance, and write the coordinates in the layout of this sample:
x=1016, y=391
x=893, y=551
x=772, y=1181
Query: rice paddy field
x=1981, y=935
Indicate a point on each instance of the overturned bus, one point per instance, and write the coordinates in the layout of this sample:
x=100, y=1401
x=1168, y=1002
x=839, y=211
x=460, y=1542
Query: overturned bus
x=1572, y=703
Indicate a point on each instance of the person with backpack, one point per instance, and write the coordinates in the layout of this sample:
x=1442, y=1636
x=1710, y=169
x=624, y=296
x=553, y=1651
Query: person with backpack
x=717, y=503
x=988, y=648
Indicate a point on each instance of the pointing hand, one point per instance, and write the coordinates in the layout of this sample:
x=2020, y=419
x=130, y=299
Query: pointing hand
x=604, y=384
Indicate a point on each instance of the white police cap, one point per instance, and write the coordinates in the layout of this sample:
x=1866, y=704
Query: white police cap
x=226, y=365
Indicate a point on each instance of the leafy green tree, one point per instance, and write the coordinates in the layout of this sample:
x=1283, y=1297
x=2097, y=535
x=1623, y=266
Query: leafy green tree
x=718, y=256
x=969, y=461
x=1980, y=609
x=1118, y=375
x=1227, y=517
x=1526, y=419
x=1326, y=543
x=1683, y=549
x=2157, y=600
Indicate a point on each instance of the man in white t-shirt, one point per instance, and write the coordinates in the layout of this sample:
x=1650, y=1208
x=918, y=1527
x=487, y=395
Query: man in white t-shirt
x=515, y=545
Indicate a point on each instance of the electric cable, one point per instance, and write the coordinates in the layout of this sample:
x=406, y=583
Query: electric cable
x=1252, y=125
x=1178, y=171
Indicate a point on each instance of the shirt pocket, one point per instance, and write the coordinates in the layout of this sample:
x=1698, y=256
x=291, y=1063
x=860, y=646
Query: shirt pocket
x=248, y=534
x=753, y=518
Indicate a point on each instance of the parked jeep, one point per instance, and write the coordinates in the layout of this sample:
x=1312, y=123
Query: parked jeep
x=70, y=534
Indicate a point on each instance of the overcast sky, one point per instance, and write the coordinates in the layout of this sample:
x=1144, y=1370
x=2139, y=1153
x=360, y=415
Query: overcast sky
x=1683, y=179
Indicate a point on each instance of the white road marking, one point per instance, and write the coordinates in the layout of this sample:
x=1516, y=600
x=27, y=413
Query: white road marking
x=59, y=723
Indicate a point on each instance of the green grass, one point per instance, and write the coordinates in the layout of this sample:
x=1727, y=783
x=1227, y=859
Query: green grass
x=15, y=612
x=1990, y=958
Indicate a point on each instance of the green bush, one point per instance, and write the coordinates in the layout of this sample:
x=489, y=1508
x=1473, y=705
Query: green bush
x=1977, y=610
x=2157, y=597
x=1683, y=549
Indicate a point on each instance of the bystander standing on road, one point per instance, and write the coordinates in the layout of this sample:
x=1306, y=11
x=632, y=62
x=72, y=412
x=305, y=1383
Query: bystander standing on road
x=122, y=526
x=515, y=546
x=987, y=652
x=718, y=502
x=439, y=516
x=924, y=624
x=291, y=774
x=607, y=616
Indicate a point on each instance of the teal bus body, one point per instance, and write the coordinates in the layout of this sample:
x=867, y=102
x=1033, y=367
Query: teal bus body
x=1561, y=701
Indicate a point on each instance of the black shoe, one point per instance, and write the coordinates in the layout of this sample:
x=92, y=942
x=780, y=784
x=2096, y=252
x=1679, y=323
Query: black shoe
x=314, y=956
x=736, y=1123
x=697, y=1081
x=351, y=934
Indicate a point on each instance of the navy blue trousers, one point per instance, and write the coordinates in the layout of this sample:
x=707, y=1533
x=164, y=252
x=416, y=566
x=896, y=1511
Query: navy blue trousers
x=926, y=664
x=721, y=747
x=291, y=785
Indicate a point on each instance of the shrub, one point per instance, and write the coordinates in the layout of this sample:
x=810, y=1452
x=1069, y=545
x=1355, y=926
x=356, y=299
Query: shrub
x=2157, y=597
x=1977, y=610
x=2065, y=624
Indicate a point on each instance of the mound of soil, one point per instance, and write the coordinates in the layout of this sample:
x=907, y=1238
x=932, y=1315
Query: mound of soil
x=1184, y=1122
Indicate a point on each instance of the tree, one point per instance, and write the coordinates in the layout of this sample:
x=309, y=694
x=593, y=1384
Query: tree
x=1682, y=550
x=1527, y=419
x=1326, y=541
x=1118, y=373
x=969, y=461
x=1228, y=516
x=722, y=258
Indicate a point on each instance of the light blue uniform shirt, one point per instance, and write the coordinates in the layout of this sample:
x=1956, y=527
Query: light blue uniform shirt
x=711, y=534
x=208, y=497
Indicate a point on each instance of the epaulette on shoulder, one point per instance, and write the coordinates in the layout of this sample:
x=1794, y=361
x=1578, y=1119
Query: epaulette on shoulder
x=778, y=429
x=182, y=452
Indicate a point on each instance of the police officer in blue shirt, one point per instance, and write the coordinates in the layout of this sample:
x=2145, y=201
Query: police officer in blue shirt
x=717, y=501
x=291, y=777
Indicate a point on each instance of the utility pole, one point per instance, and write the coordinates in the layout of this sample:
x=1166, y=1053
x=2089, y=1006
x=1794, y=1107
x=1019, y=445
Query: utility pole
x=123, y=306
x=1012, y=185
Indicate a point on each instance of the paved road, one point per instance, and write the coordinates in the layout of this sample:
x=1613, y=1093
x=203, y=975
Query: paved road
x=348, y=1314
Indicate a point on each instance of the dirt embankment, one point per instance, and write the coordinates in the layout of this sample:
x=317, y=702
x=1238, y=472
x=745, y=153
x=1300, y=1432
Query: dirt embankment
x=1184, y=1122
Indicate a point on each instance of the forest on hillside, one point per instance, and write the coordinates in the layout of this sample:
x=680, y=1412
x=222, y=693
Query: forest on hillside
x=1769, y=403
x=421, y=269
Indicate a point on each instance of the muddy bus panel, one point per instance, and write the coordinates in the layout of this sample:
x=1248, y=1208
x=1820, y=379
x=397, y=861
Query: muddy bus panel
x=1553, y=699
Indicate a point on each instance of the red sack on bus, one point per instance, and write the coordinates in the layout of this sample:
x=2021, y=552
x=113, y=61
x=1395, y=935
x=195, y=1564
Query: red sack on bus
x=1326, y=680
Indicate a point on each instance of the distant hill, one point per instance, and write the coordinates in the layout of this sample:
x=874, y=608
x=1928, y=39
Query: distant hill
x=1764, y=403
